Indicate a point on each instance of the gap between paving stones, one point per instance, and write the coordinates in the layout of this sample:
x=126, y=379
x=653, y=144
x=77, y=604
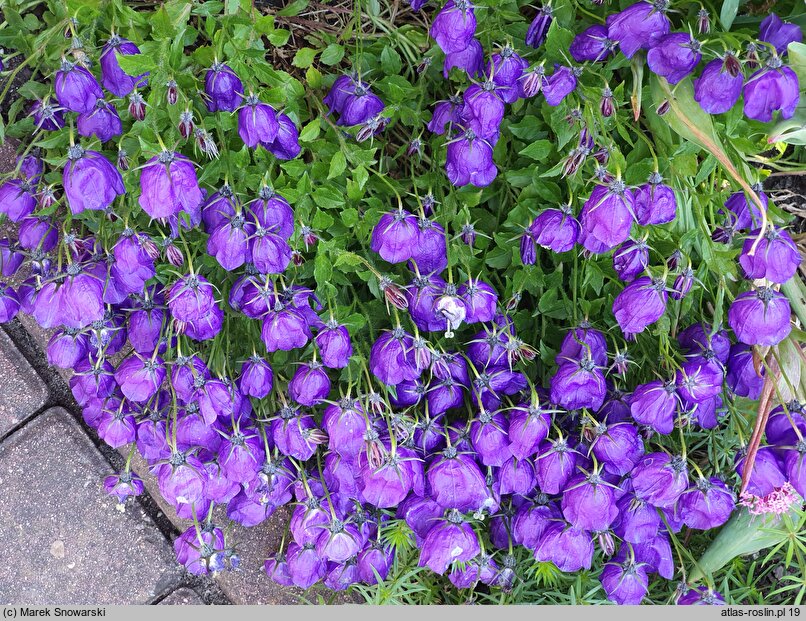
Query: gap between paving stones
x=59, y=395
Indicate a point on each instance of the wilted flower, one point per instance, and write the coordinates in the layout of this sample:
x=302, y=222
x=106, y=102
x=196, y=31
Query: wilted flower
x=719, y=86
x=778, y=33
x=674, y=56
x=775, y=87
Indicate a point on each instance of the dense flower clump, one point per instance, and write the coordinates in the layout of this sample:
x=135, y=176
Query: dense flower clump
x=436, y=420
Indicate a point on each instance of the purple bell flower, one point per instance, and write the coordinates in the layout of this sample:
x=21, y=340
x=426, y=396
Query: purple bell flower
x=90, y=181
x=257, y=378
x=592, y=45
x=76, y=88
x=430, y=251
x=570, y=549
x=395, y=236
x=631, y=259
x=741, y=375
x=447, y=541
x=660, y=479
x=532, y=520
x=480, y=300
x=81, y=300
x=778, y=33
x=257, y=122
x=489, y=437
x=67, y=348
x=360, y=106
x=285, y=328
x=555, y=229
x=456, y=481
x=223, y=88
x=699, y=339
x=774, y=87
x=700, y=379
x=607, y=216
x=588, y=503
x=701, y=596
x=655, y=202
x=103, y=122
x=760, y=317
x=342, y=88
x=37, y=233
x=191, y=298
x=554, y=465
x=276, y=568
x=285, y=145
x=17, y=199
x=744, y=213
x=559, y=85
x=168, y=185
x=113, y=78
x=708, y=504
x=625, y=583
x=655, y=404
x=470, y=60
x=9, y=303
x=539, y=28
x=229, y=242
x=674, y=56
x=506, y=70
x=638, y=26
x=776, y=257
x=310, y=384
x=140, y=378
x=391, y=359
x=640, y=304
x=454, y=26
x=528, y=428
x=578, y=384
x=123, y=485
x=483, y=111
x=470, y=161
x=47, y=116
x=583, y=342
x=334, y=345
x=720, y=85
x=618, y=446
x=446, y=112
x=305, y=566
x=638, y=521
x=767, y=474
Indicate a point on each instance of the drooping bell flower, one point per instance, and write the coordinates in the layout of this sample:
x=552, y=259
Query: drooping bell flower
x=285, y=145
x=700, y=379
x=528, y=426
x=447, y=111
x=310, y=384
x=555, y=463
x=229, y=242
x=588, y=503
x=480, y=300
x=17, y=199
x=483, y=111
x=555, y=229
x=430, y=251
x=559, y=84
x=741, y=376
x=776, y=256
x=276, y=567
x=76, y=88
x=305, y=566
x=67, y=348
x=102, y=121
x=489, y=438
x=343, y=86
x=506, y=70
x=618, y=446
x=387, y=484
x=90, y=181
x=638, y=26
x=607, y=216
x=295, y=434
x=539, y=27
x=456, y=481
x=592, y=45
x=448, y=541
x=47, y=116
x=655, y=404
x=113, y=78
x=760, y=317
x=631, y=259
x=124, y=485
x=360, y=106
x=767, y=474
x=168, y=185
x=470, y=60
x=257, y=378
x=284, y=328
x=223, y=88
x=191, y=298
x=134, y=264
x=570, y=549
x=391, y=358
x=655, y=202
x=139, y=378
x=583, y=342
x=257, y=122
x=744, y=213
x=335, y=347
x=578, y=384
x=272, y=212
x=81, y=298
x=454, y=26
x=674, y=56
x=145, y=326
x=532, y=519
x=482, y=569
x=640, y=304
x=395, y=236
x=701, y=596
x=660, y=479
x=241, y=455
x=469, y=160
x=9, y=303
x=625, y=583
x=778, y=33
x=720, y=85
x=708, y=504
x=772, y=88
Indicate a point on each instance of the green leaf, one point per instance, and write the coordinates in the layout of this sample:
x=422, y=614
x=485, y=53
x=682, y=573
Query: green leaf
x=332, y=54
x=136, y=64
x=338, y=164
x=310, y=132
x=390, y=61
x=304, y=57
x=538, y=150
x=728, y=13
x=279, y=37
x=328, y=197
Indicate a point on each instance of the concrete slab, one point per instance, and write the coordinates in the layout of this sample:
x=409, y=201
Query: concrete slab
x=23, y=392
x=64, y=540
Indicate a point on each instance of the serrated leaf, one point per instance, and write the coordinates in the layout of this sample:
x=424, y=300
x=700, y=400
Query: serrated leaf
x=304, y=57
x=332, y=54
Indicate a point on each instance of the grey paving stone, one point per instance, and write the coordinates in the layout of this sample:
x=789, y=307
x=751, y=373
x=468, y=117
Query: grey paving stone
x=64, y=540
x=182, y=597
x=23, y=392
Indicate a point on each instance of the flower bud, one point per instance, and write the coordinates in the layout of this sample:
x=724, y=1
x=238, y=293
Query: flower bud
x=47, y=197
x=663, y=107
x=468, y=234
x=703, y=21
x=137, y=106
x=123, y=160
x=424, y=64
x=297, y=258
x=172, y=253
x=682, y=284
x=606, y=103
x=415, y=148
x=205, y=143
x=186, y=124
x=308, y=236
x=393, y=294
x=171, y=94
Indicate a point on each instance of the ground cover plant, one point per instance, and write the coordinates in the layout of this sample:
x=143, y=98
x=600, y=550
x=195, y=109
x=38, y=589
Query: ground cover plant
x=497, y=300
